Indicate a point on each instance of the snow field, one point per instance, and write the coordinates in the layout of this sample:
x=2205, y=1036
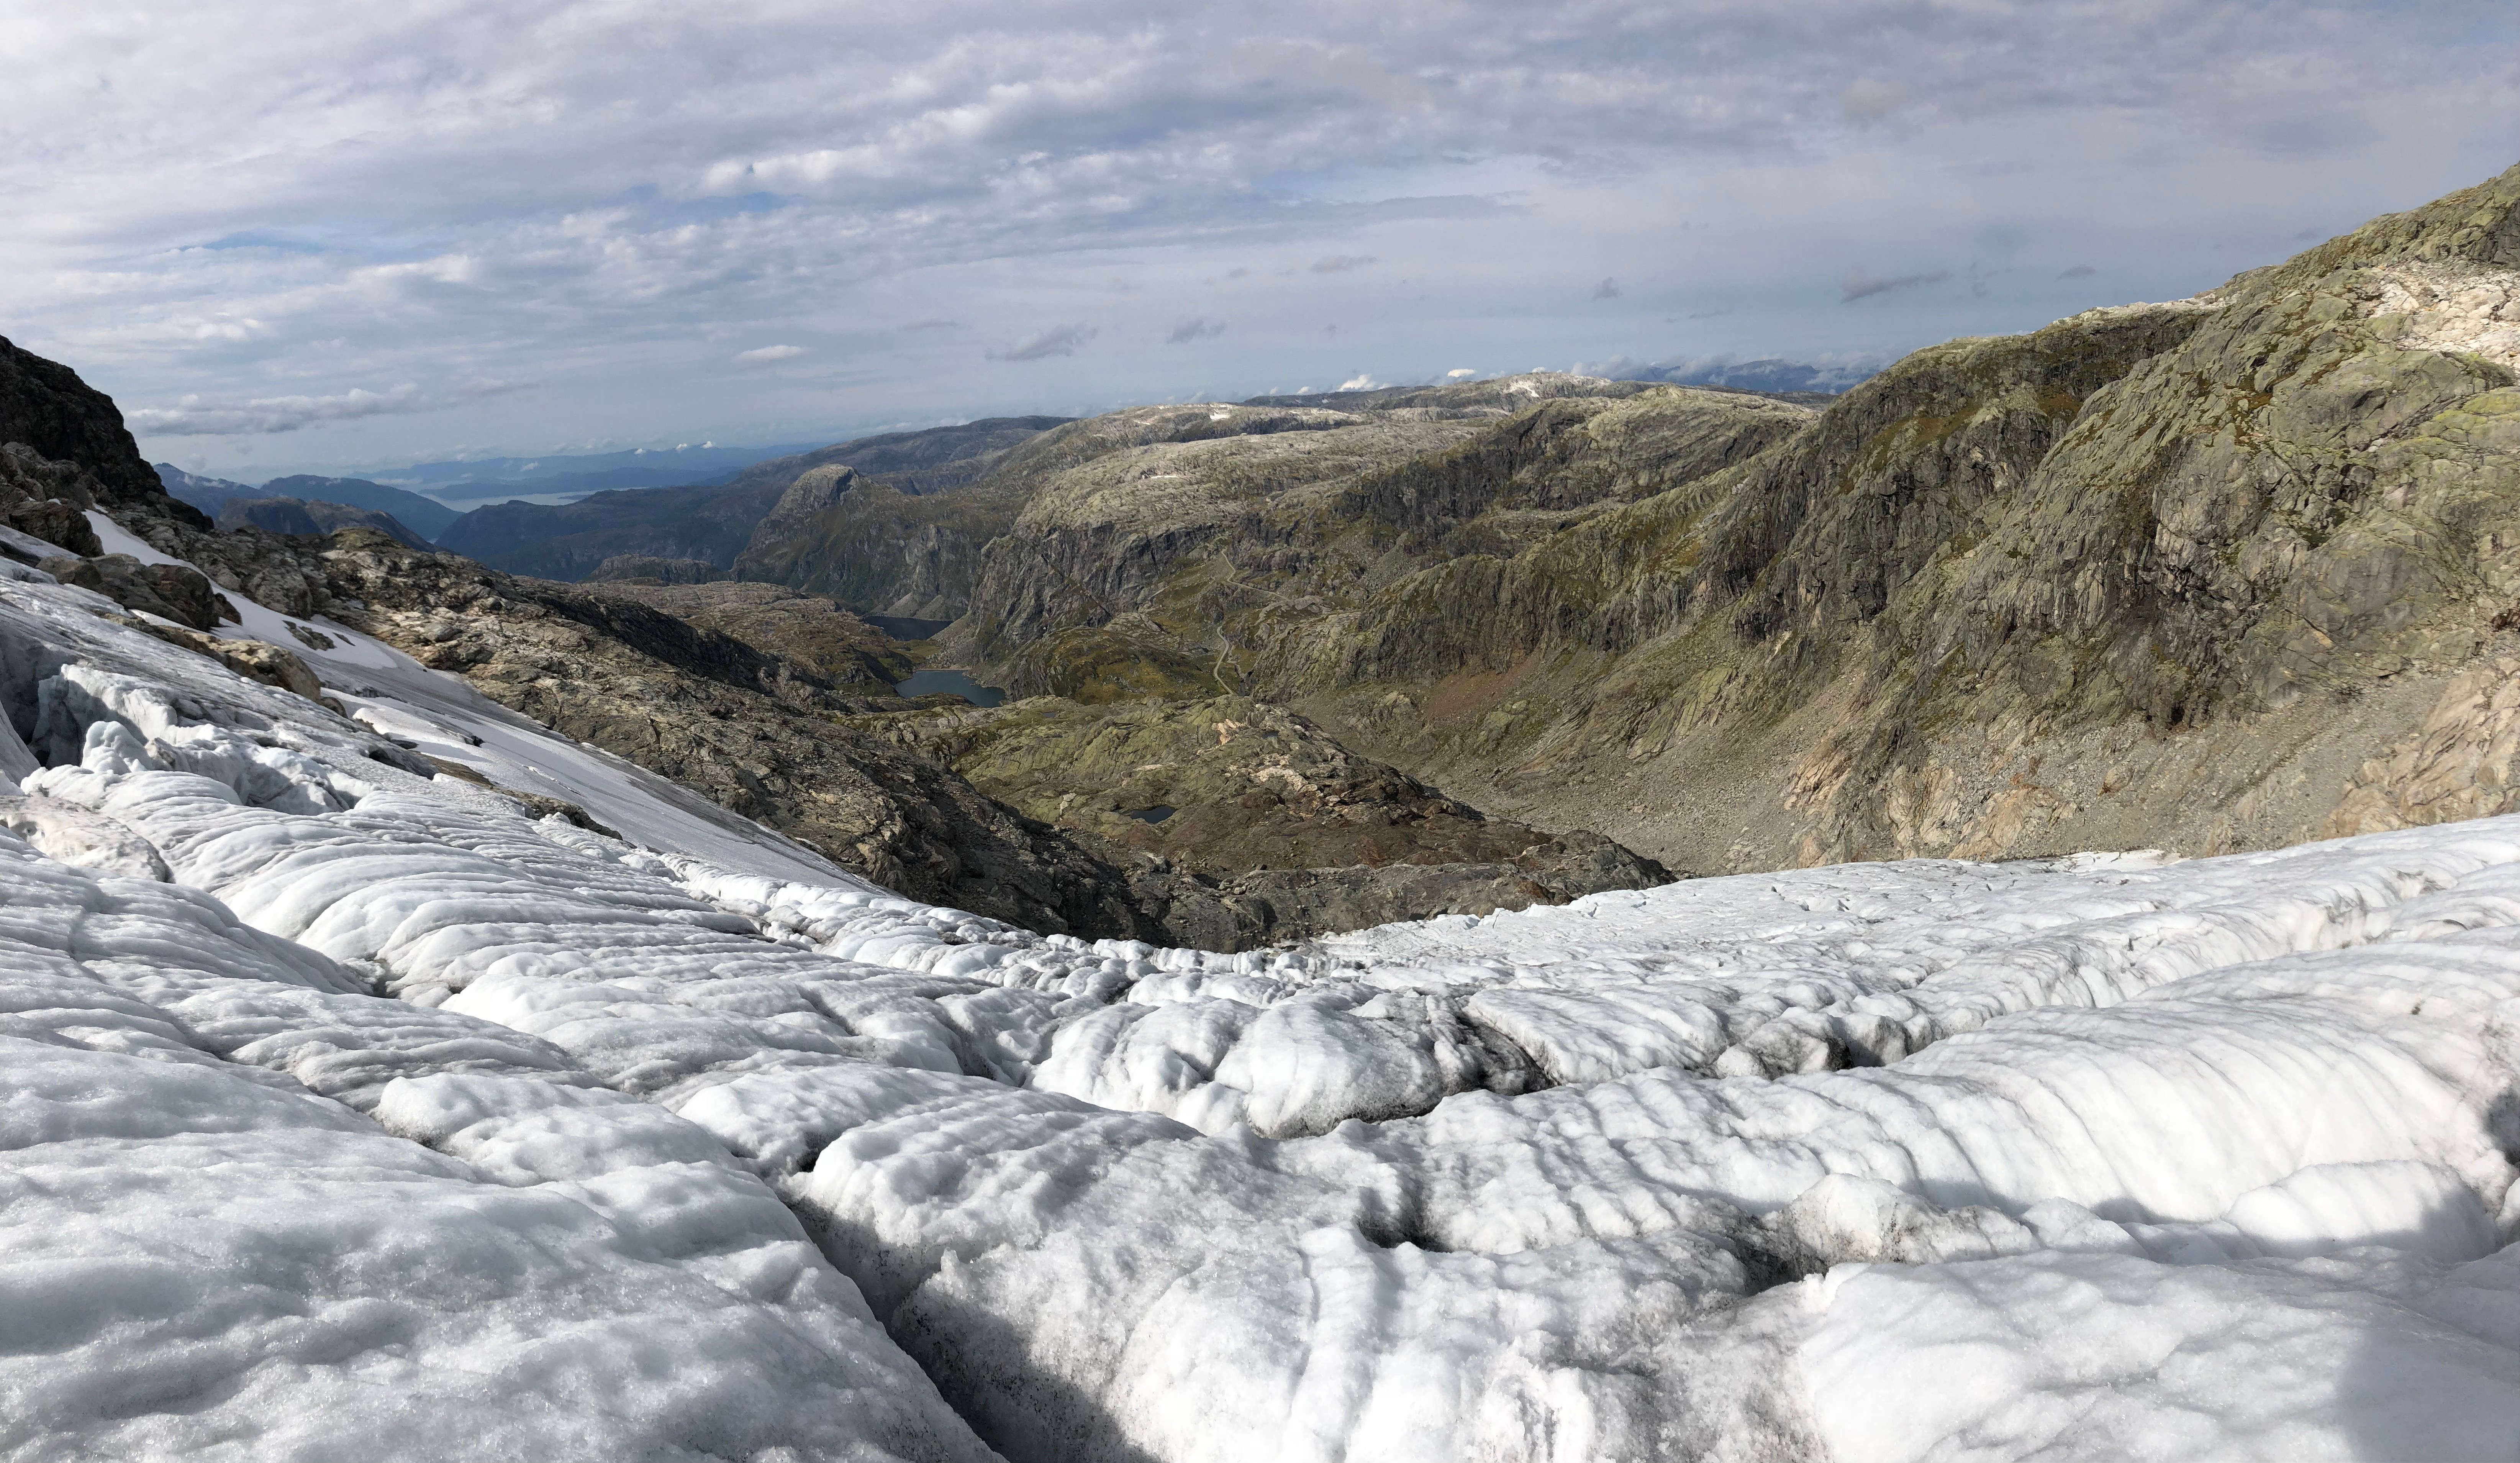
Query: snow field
x=205, y=1250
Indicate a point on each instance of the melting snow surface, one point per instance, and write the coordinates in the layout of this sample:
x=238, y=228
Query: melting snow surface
x=351, y=1112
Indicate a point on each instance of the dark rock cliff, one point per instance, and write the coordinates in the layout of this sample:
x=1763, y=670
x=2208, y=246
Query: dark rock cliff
x=45, y=406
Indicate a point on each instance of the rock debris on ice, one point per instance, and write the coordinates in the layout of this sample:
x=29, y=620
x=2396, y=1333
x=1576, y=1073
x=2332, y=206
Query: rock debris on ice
x=349, y=1110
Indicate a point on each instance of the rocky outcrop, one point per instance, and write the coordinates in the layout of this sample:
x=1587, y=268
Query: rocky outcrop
x=47, y=499
x=169, y=591
x=246, y=562
x=886, y=549
x=255, y=660
x=883, y=551
x=807, y=629
x=45, y=406
x=1231, y=786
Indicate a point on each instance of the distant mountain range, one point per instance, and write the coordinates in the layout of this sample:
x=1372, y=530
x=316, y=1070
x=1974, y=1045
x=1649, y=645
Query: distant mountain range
x=714, y=523
x=300, y=516
x=1771, y=375
x=642, y=467
x=428, y=497
x=424, y=516
x=555, y=479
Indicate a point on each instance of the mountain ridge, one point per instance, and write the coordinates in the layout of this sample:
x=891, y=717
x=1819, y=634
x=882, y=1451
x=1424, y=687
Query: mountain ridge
x=1804, y=656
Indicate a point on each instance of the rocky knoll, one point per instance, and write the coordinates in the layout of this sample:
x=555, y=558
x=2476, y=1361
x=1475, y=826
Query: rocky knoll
x=2224, y=573
x=1232, y=786
x=807, y=629
x=651, y=568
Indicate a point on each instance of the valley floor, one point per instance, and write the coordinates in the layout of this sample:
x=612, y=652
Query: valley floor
x=349, y=1110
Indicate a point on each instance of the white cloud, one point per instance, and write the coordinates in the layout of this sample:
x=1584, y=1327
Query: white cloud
x=768, y=356
x=1362, y=383
x=617, y=197
x=193, y=416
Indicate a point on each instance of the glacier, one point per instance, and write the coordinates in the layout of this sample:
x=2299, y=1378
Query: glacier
x=350, y=1109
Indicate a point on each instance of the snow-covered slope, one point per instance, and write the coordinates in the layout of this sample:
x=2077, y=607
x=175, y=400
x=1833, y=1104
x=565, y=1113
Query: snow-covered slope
x=349, y=1106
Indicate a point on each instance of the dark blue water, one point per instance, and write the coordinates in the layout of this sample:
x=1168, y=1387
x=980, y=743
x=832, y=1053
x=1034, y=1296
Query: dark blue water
x=929, y=682
x=1154, y=815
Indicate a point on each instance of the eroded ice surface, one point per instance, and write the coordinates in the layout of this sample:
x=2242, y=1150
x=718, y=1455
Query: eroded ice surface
x=349, y=1106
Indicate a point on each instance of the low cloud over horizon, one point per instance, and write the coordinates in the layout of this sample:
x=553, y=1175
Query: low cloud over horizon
x=195, y=416
x=771, y=223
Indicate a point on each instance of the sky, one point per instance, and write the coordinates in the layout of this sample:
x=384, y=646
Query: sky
x=293, y=236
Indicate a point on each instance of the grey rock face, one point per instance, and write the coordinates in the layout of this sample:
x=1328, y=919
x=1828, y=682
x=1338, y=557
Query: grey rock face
x=47, y=499
x=169, y=591
x=57, y=416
